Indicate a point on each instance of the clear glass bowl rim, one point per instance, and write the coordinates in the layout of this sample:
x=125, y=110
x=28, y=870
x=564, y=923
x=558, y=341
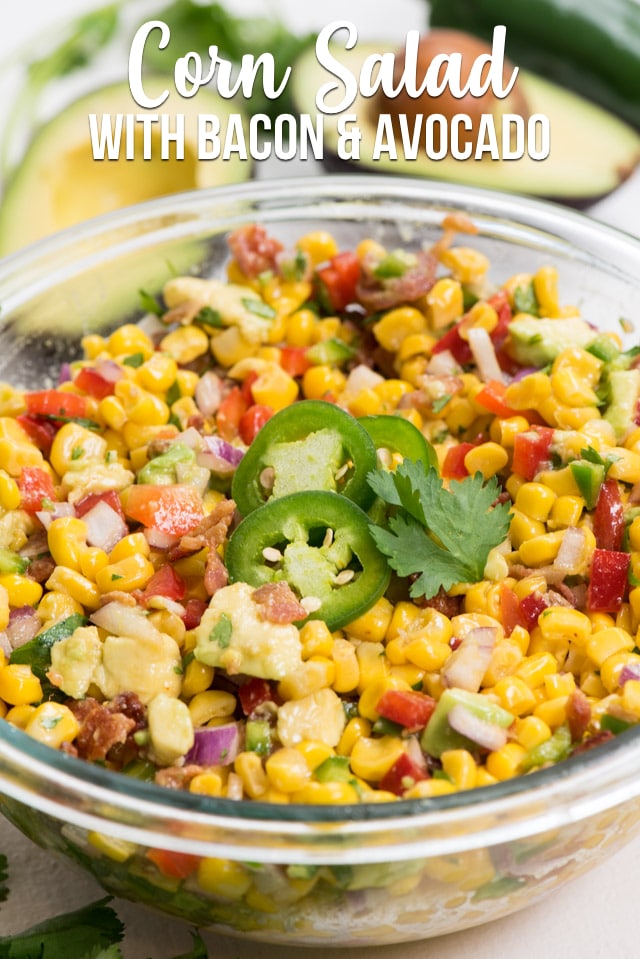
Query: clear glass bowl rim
x=89, y=796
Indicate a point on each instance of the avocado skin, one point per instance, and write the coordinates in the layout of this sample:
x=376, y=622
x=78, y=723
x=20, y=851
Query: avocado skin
x=592, y=152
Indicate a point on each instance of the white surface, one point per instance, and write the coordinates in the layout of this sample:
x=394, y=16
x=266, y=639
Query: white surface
x=594, y=917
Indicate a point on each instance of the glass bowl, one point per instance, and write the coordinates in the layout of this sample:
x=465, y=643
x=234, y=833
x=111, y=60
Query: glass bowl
x=312, y=875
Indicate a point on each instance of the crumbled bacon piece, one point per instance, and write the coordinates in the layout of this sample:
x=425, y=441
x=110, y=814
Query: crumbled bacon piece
x=178, y=777
x=278, y=603
x=447, y=605
x=254, y=249
x=41, y=568
x=578, y=715
x=101, y=728
x=417, y=280
x=215, y=573
x=602, y=737
x=211, y=532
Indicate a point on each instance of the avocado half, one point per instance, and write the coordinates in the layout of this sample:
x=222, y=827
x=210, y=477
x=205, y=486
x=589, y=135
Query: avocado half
x=58, y=183
x=592, y=151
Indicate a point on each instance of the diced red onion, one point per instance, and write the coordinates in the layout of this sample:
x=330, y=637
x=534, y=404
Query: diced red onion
x=158, y=539
x=466, y=666
x=571, y=554
x=105, y=527
x=485, y=734
x=629, y=672
x=191, y=438
x=23, y=625
x=361, y=378
x=5, y=645
x=484, y=354
x=120, y=620
x=65, y=374
x=218, y=455
x=525, y=371
x=443, y=364
x=47, y=516
x=208, y=393
x=109, y=370
x=151, y=325
x=214, y=745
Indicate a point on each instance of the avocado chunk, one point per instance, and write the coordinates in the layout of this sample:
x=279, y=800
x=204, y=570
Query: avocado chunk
x=439, y=736
x=58, y=183
x=592, y=151
x=536, y=342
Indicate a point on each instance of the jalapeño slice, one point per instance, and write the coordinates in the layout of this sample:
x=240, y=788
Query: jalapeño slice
x=398, y=435
x=321, y=545
x=310, y=445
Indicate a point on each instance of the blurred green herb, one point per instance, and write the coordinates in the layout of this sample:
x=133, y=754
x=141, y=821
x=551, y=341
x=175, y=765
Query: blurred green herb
x=195, y=27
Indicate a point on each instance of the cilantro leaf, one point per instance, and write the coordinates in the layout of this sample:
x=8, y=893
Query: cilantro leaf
x=88, y=933
x=411, y=550
x=440, y=536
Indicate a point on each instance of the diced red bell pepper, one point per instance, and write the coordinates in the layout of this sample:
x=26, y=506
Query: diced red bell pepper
x=511, y=614
x=453, y=342
x=254, y=693
x=293, y=360
x=608, y=517
x=453, y=466
x=164, y=582
x=252, y=421
x=41, y=432
x=55, y=403
x=35, y=484
x=175, y=510
x=531, y=451
x=229, y=412
x=402, y=775
x=531, y=606
x=194, y=610
x=608, y=581
x=407, y=708
x=110, y=497
x=90, y=381
x=175, y=865
x=491, y=396
x=340, y=278
x=247, y=387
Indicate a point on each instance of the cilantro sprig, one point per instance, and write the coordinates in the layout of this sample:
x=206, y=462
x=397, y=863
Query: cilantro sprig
x=439, y=536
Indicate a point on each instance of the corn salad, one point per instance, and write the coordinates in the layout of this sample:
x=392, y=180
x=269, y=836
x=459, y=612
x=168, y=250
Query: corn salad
x=128, y=636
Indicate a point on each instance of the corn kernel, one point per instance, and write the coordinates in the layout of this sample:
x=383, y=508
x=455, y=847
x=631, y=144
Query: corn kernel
x=10, y=497
x=372, y=758
x=356, y=729
x=397, y=324
x=460, y=767
x=318, y=245
x=52, y=724
x=373, y=624
x=316, y=639
x=320, y=381
x=514, y=695
x=18, y=685
x=535, y=501
x=21, y=590
x=606, y=642
x=530, y=731
x=76, y=586
x=197, y=678
x=287, y=770
x=128, y=339
x=504, y=763
x=211, y=704
x=445, y=302
x=128, y=574
x=486, y=458
x=561, y=623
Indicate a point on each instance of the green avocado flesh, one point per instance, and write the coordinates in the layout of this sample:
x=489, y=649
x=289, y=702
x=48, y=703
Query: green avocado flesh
x=591, y=151
x=58, y=183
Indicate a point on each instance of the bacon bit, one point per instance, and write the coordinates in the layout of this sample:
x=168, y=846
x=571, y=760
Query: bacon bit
x=174, y=777
x=414, y=283
x=602, y=737
x=211, y=532
x=448, y=605
x=578, y=715
x=254, y=249
x=278, y=603
x=215, y=573
x=101, y=728
x=40, y=569
x=119, y=596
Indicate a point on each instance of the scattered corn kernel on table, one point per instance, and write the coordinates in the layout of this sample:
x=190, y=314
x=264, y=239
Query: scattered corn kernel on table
x=584, y=918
